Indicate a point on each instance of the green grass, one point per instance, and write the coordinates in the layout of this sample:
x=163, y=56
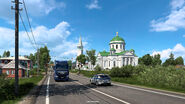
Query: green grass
x=25, y=85
x=134, y=80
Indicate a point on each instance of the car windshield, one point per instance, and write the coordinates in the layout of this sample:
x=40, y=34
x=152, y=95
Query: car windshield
x=103, y=76
x=61, y=67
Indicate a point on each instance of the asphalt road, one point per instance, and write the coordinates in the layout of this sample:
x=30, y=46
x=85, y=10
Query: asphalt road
x=78, y=90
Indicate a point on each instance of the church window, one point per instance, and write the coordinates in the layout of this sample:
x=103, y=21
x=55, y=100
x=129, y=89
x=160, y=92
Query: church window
x=114, y=63
x=104, y=63
x=116, y=46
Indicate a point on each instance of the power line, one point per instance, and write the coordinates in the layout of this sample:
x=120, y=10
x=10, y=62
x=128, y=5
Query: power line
x=27, y=31
x=29, y=23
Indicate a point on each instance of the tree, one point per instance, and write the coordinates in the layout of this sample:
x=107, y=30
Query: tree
x=91, y=56
x=8, y=54
x=179, y=61
x=169, y=61
x=70, y=64
x=81, y=59
x=4, y=54
x=44, y=58
x=146, y=60
x=156, y=60
x=32, y=58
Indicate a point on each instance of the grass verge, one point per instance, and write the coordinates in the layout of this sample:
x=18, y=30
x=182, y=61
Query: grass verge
x=25, y=85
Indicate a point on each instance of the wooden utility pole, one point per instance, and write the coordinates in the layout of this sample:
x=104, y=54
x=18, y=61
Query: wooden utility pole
x=16, y=46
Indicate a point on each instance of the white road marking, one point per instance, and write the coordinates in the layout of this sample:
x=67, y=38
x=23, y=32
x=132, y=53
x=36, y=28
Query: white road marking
x=176, y=96
x=92, y=101
x=47, y=90
x=104, y=94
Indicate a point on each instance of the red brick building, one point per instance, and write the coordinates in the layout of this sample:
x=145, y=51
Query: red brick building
x=9, y=69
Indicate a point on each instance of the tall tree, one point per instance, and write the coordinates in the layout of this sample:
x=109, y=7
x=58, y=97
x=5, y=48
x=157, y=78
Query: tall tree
x=44, y=58
x=169, y=61
x=32, y=58
x=8, y=54
x=156, y=60
x=81, y=59
x=4, y=54
x=146, y=60
x=179, y=61
x=91, y=56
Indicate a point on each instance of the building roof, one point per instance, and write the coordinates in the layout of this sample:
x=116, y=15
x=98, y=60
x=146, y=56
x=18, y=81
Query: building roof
x=11, y=65
x=1, y=65
x=104, y=53
x=13, y=58
x=117, y=38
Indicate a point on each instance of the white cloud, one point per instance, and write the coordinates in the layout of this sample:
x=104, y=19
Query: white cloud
x=178, y=50
x=174, y=21
x=93, y=5
x=34, y=7
x=56, y=38
x=184, y=36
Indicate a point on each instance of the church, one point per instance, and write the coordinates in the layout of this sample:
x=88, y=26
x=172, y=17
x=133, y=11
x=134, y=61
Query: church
x=118, y=55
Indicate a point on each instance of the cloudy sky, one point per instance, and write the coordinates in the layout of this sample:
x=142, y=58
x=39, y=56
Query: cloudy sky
x=148, y=26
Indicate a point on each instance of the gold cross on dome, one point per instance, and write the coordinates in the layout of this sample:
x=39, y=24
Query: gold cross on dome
x=116, y=33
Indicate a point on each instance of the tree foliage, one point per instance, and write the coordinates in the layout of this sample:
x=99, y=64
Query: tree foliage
x=81, y=59
x=179, y=61
x=172, y=61
x=146, y=60
x=150, y=60
x=6, y=54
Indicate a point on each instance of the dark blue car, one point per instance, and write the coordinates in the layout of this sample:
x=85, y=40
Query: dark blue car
x=61, y=71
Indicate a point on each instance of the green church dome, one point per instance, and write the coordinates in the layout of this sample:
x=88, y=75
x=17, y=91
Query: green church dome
x=117, y=38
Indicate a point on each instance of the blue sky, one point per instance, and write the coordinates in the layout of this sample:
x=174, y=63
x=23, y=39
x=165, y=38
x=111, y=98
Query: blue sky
x=147, y=26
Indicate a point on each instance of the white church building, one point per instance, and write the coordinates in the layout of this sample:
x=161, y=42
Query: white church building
x=118, y=56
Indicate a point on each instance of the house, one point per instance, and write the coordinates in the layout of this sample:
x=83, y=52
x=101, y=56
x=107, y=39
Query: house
x=23, y=61
x=9, y=69
x=1, y=65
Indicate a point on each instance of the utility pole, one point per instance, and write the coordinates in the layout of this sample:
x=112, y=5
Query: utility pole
x=38, y=66
x=16, y=45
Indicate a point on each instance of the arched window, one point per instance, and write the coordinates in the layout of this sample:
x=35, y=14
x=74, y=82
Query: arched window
x=114, y=63
x=116, y=46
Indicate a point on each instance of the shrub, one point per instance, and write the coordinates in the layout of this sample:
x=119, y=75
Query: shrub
x=98, y=68
x=126, y=71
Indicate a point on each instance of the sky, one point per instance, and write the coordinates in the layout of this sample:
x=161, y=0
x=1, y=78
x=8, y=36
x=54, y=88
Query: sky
x=147, y=26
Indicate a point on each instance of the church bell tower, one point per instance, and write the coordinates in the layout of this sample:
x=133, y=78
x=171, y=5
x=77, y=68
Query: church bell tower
x=80, y=47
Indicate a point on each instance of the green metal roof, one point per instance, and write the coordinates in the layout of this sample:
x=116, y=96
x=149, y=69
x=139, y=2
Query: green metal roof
x=104, y=53
x=117, y=38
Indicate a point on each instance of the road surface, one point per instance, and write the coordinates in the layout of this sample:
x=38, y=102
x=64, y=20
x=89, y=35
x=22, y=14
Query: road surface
x=79, y=91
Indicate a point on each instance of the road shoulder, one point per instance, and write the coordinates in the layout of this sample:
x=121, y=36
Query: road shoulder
x=30, y=98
